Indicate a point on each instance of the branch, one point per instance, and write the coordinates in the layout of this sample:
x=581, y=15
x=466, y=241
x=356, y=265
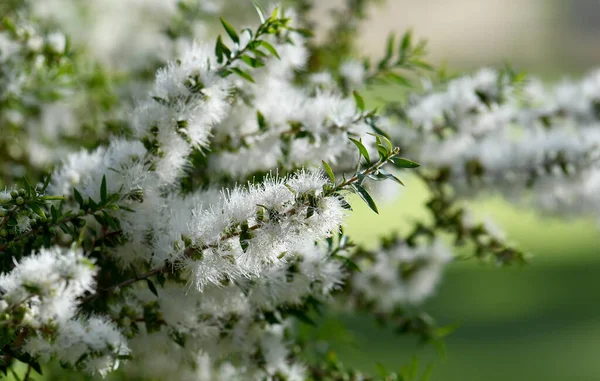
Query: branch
x=126, y=283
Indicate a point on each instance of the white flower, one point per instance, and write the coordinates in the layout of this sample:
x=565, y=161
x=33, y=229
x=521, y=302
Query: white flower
x=23, y=223
x=93, y=344
x=402, y=275
x=47, y=284
x=275, y=214
x=8, y=47
x=57, y=42
x=5, y=196
x=354, y=72
x=35, y=43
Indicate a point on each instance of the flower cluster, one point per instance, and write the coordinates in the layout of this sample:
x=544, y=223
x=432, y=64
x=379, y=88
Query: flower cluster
x=139, y=39
x=41, y=293
x=45, y=92
x=401, y=274
x=492, y=131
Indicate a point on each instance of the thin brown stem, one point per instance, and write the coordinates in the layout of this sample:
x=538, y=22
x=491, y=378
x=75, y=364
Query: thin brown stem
x=367, y=172
x=126, y=283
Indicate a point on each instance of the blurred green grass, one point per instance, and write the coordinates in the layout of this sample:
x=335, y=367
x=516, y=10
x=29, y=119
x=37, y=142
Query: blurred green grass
x=537, y=322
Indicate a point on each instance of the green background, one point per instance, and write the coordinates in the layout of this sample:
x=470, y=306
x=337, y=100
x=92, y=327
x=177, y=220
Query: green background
x=537, y=322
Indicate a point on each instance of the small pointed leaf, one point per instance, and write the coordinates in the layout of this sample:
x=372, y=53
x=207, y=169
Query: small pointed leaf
x=151, y=287
x=364, y=194
x=243, y=74
x=270, y=48
x=103, y=189
x=77, y=196
x=329, y=171
x=362, y=149
x=230, y=31
x=360, y=102
x=401, y=162
x=260, y=11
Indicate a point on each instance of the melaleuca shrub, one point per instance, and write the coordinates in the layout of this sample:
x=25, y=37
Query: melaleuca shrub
x=173, y=206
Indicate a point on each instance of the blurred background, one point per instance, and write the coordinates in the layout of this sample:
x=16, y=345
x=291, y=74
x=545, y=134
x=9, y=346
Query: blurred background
x=546, y=36
x=539, y=322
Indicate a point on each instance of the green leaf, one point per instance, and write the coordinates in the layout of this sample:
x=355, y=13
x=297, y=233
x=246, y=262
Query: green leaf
x=9, y=25
x=46, y=183
x=78, y=196
x=329, y=171
x=103, y=189
x=405, y=43
x=37, y=209
x=54, y=213
x=53, y=198
x=345, y=204
x=151, y=287
x=230, y=31
x=92, y=204
x=260, y=11
x=378, y=130
x=67, y=229
x=160, y=278
x=221, y=50
x=161, y=101
x=252, y=62
x=271, y=318
x=302, y=316
x=348, y=262
x=262, y=123
x=260, y=53
x=242, y=74
x=245, y=236
x=361, y=178
x=28, y=187
x=383, y=153
x=304, y=32
x=398, y=79
x=6, y=336
x=384, y=146
x=250, y=33
x=409, y=371
x=401, y=162
x=128, y=209
x=274, y=14
x=270, y=48
x=389, y=51
x=362, y=149
x=364, y=194
x=387, y=142
x=428, y=372
x=421, y=64
x=392, y=177
x=381, y=370
x=384, y=175
x=110, y=221
x=441, y=332
x=36, y=366
x=360, y=102
x=253, y=45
